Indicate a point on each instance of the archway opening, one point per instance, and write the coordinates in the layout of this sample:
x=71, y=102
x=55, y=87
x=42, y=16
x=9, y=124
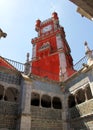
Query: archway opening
x=57, y=103
x=80, y=96
x=71, y=101
x=46, y=101
x=35, y=99
x=1, y=92
x=11, y=95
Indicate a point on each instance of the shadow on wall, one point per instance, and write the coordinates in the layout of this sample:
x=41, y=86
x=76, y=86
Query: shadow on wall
x=80, y=106
x=4, y=129
x=10, y=94
x=45, y=101
x=9, y=98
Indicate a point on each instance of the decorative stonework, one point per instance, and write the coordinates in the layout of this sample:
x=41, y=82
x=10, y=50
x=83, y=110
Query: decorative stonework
x=89, y=54
x=2, y=34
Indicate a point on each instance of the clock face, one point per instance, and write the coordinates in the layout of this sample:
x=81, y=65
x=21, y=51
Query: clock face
x=46, y=28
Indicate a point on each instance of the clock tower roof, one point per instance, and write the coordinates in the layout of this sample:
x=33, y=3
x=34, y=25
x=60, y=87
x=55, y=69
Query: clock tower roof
x=54, y=15
x=48, y=25
x=45, y=22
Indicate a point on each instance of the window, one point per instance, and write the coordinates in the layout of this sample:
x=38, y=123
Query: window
x=46, y=101
x=71, y=101
x=80, y=96
x=57, y=103
x=35, y=99
x=1, y=92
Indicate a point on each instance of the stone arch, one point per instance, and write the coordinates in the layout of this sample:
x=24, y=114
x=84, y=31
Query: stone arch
x=35, y=99
x=80, y=96
x=56, y=102
x=11, y=94
x=1, y=91
x=88, y=92
x=46, y=101
x=71, y=101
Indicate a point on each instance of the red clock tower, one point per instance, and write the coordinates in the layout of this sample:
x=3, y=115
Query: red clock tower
x=51, y=53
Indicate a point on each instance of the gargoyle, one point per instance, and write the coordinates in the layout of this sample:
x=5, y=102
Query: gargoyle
x=2, y=34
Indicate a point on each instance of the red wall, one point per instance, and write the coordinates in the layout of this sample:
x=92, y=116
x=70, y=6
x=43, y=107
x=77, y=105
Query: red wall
x=47, y=67
x=47, y=64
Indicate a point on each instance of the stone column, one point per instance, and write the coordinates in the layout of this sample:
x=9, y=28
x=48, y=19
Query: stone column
x=65, y=112
x=86, y=98
x=25, y=107
x=40, y=101
x=91, y=81
x=91, y=87
x=51, y=102
x=76, y=99
x=4, y=94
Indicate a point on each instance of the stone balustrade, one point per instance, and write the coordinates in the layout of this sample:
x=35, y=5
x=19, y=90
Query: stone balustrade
x=81, y=110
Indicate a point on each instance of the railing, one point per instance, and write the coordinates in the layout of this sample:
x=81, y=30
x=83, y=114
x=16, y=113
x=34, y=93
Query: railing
x=79, y=64
x=19, y=66
x=79, y=111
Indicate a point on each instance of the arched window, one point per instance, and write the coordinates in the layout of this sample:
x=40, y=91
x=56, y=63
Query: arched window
x=35, y=99
x=11, y=95
x=57, y=103
x=1, y=92
x=80, y=96
x=71, y=101
x=46, y=101
x=88, y=92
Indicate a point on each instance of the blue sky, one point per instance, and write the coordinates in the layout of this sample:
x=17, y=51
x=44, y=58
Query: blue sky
x=18, y=17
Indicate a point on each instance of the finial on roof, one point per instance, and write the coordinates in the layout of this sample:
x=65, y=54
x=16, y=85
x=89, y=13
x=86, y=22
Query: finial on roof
x=27, y=57
x=54, y=16
x=37, y=25
x=27, y=65
x=89, y=54
x=87, y=49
